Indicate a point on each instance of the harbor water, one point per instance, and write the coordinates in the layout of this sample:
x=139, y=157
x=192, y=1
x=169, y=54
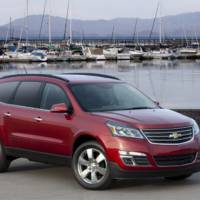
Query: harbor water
x=175, y=84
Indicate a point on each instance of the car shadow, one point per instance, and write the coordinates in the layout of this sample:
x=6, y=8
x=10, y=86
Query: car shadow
x=64, y=175
x=155, y=183
x=25, y=165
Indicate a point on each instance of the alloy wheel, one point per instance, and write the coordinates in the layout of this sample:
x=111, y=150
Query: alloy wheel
x=92, y=166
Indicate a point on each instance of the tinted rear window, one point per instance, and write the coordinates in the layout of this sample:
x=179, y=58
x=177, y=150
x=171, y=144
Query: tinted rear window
x=28, y=94
x=7, y=90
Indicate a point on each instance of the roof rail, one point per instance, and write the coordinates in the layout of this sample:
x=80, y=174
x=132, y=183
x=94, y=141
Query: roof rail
x=59, y=77
x=93, y=74
x=40, y=75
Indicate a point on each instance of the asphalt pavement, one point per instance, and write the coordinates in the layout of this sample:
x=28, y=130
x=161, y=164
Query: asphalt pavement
x=34, y=181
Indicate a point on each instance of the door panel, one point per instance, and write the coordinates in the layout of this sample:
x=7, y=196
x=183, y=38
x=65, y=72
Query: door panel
x=51, y=135
x=39, y=129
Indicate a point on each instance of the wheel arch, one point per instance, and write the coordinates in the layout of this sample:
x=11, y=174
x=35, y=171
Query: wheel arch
x=83, y=138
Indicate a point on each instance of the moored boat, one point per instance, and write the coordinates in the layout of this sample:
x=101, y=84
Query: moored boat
x=110, y=54
x=136, y=55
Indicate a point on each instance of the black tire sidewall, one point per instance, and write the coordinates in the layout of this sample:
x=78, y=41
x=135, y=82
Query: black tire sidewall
x=105, y=183
x=4, y=162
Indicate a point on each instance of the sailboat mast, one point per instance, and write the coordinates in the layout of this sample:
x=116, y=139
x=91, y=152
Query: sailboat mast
x=27, y=28
x=154, y=21
x=82, y=37
x=7, y=35
x=66, y=20
x=196, y=38
x=22, y=29
x=135, y=30
x=160, y=35
x=50, y=38
x=10, y=28
x=44, y=10
x=185, y=36
x=70, y=26
x=50, y=29
x=113, y=34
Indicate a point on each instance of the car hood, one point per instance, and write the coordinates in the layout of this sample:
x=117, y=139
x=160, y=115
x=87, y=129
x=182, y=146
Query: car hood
x=148, y=118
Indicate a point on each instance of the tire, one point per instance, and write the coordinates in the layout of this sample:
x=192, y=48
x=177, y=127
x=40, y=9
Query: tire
x=178, y=178
x=91, y=167
x=4, y=161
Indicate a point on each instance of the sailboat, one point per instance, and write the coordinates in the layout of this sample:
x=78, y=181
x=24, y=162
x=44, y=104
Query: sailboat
x=110, y=54
x=89, y=56
x=162, y=53
x=3, y=57
x=26, y=52
x=123, y=54
x=21, y=54
x=97, y=53
x=136, y=54
x=187, y=52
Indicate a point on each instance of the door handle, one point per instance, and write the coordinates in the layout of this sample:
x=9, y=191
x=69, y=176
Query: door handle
x=7, y=114
x=38, y=119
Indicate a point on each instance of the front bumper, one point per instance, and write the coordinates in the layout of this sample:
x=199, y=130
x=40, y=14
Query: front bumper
x=121, y=174
x=115, y=145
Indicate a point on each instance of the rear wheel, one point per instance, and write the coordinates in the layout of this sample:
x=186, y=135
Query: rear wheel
x=178, y=178
x=91, y=167
x=4, y=161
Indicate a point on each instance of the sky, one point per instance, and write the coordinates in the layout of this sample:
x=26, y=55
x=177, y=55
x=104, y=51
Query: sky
x=96, y=9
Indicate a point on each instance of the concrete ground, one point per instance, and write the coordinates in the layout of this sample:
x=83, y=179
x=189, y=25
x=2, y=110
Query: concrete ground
x=34, y=181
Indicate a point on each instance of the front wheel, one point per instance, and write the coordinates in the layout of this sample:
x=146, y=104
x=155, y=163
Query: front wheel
x=91, y=167
x=178, y=178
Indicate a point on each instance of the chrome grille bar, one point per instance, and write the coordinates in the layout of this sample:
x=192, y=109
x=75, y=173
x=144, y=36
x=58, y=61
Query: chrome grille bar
x=169, y=136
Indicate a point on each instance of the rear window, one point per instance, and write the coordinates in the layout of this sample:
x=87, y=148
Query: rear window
x=7, y=90
x=28, y=94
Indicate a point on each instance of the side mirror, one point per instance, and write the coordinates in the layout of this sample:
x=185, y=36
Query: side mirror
x=59, y=108
x=157, y=103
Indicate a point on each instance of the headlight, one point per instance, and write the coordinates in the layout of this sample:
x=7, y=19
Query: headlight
x=118, y=129
x=195, y=128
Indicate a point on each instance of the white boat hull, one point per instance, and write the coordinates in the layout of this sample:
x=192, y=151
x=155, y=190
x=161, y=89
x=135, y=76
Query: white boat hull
x=123, y=56
x=136, y=55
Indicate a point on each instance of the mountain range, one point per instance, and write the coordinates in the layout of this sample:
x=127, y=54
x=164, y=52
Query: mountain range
x=182, y=25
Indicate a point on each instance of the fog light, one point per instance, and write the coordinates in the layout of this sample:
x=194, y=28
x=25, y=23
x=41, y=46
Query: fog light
x=134, y=158
x=128, y=161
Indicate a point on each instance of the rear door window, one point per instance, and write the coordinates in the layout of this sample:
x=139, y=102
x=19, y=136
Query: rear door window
x=52, y=95
x=28, y=94
x=7, y=91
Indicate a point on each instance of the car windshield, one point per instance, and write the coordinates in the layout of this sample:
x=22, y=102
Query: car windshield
x=102, y=97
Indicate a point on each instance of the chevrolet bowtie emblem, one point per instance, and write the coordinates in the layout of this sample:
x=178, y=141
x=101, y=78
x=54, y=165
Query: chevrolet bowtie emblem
x=175, y=135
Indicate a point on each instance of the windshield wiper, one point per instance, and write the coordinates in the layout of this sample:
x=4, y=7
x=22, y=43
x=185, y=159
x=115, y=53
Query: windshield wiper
x=140, y=108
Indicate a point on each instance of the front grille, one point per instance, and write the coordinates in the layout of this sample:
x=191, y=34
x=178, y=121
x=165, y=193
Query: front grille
x=169, y=136
x=177, y=160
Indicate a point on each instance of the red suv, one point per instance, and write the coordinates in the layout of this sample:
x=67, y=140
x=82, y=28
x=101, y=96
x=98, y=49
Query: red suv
x=102, y=126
